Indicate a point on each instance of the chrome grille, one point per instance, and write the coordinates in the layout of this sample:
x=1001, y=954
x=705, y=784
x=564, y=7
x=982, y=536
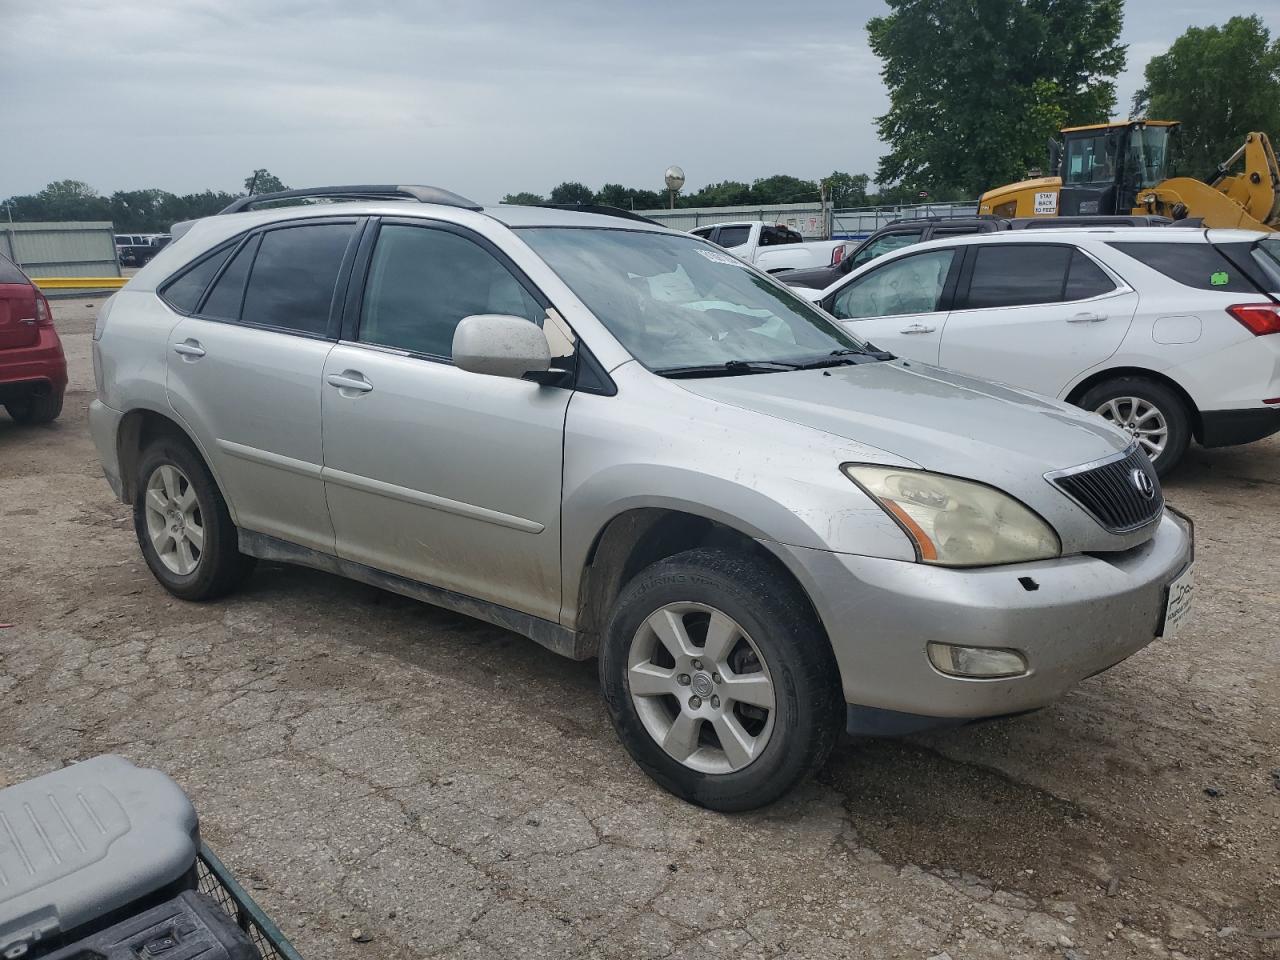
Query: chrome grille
x=1112, y=492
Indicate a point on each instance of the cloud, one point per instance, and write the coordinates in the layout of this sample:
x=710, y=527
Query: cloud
x=484, y=96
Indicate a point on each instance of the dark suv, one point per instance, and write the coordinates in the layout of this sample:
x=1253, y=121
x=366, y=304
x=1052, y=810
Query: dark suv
x=910, y=230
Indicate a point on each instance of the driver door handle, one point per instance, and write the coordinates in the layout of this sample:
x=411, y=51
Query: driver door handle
x=1087, y=318
x=349, y=380
x=917, y=328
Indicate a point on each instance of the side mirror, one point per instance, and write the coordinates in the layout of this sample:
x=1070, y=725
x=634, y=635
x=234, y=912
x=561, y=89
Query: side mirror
x=500, y=346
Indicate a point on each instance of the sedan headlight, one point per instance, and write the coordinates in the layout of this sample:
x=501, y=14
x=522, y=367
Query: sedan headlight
x=957, y=523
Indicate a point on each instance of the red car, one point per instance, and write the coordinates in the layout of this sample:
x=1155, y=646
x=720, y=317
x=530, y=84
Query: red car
x=33, y=369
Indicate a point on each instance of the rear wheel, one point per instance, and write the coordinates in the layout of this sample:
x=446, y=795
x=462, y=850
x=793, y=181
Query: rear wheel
x=183, y=526
x=1150, y=412
x=719, y=680
x=42, y=408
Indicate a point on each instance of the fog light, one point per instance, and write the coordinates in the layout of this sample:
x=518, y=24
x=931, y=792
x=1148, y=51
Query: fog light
x=976, y=661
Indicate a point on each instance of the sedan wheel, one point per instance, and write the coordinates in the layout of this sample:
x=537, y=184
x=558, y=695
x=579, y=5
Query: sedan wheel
x=701, y=688
x=1141, y=419
x=174, y=522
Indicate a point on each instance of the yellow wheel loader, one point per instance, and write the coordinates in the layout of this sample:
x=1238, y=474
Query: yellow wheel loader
x=1115, y=168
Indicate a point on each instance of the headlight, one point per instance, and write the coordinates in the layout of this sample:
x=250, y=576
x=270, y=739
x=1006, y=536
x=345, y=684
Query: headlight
x=957, y=523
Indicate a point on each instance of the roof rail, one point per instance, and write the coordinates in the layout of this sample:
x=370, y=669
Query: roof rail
x=602, y=209
x=356, y=192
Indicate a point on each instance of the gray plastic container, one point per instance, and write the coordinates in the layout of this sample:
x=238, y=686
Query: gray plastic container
x=82, y=845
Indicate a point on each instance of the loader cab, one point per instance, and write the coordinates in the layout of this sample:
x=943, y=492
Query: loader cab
x=1105, y=166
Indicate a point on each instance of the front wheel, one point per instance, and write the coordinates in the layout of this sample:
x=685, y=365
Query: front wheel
x=1150, y=412
x=719, y=680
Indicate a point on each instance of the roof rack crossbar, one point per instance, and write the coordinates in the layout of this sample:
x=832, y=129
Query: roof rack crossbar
x=356, y=192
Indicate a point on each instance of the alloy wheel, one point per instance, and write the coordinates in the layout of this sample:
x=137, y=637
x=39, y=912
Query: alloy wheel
x=174, y=522
x=701, y=687
x=1141, y=419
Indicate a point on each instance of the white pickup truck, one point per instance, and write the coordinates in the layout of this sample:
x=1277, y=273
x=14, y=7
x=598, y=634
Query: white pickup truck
x=772, y=246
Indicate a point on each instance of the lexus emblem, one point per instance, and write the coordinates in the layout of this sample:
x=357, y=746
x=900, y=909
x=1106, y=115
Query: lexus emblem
x=1142, y=483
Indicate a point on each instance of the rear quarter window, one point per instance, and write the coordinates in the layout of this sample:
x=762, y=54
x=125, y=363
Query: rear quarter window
x=183, y=293
x=1197, y=265
x=9, y=272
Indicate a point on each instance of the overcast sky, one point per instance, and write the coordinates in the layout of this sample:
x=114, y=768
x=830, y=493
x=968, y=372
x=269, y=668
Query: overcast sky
x=485, y=97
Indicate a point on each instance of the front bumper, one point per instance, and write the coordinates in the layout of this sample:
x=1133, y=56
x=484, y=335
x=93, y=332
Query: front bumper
x=1226, y=428
x=104, y=427
x=1070, y=618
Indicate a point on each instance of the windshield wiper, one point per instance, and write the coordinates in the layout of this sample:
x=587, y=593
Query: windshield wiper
x=845, y=357
x=730, y=368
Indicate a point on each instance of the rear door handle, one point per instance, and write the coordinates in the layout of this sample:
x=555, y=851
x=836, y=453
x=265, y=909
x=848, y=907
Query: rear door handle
x=349, y=380
x=1087, y=318
x=189, y=349
x=917, y=328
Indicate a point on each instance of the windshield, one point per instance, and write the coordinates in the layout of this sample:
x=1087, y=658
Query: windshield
x=677, y=302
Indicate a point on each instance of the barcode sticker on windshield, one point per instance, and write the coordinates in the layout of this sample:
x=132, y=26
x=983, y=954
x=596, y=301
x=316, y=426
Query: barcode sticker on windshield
x=715, y=257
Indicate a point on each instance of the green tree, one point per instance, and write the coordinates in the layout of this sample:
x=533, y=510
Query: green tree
x=1221, y=82
x=726, y=193
x=523, y=198
x=847, y=189
x=263, y=181
x=783, y=188
x=572, y=192
x=975, y=89
x=65, y=200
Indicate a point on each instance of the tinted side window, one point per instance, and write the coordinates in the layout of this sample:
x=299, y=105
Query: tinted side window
x=185, y=292
x=224, y=300
x=422, y=282
x=704, y=232
x=882, y=245
x=1193, y=264
x=1010, y=275
x=293, y=277
x=733, y=236
x=913, y=284
x=1086, y=279
x=9, y=272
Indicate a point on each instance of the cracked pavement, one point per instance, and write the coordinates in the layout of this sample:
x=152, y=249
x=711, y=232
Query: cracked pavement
x=364, y=762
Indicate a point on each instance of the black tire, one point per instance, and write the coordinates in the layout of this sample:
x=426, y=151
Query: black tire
x=809, y=713
x=220, y=567
x=41, y=408
x=1164, y=398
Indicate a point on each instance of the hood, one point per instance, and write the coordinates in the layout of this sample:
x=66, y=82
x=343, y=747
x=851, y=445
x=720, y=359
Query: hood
x=938, y=419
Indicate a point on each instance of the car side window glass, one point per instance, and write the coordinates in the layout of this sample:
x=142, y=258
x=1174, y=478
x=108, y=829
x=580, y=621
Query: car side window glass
x=9, y=272
x=1193, y=264
x=1086, y=279
x=886, y=244
x=185, y=292
x=227, y=295
x=293, y=277
x=423, y=282
x=913, y=284
x=733, y=236
x=1011, y=275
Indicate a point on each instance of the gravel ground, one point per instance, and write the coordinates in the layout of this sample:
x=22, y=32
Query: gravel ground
x=366, y=763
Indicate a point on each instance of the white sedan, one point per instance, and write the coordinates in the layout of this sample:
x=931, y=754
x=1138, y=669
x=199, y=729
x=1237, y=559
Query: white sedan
x=1171, y=333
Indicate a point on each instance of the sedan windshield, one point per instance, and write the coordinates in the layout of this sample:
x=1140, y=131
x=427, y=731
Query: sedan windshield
x=681, y=305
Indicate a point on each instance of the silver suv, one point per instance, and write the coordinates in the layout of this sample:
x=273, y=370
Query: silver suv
x=623, y=442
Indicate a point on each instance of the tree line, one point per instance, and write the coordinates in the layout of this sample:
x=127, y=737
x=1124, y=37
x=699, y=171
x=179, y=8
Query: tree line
x=131, y=211
x=975, y=92
x=843, y=190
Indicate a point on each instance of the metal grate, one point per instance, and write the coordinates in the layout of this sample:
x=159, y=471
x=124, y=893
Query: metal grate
x=216, y=882
x=1122, y=493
